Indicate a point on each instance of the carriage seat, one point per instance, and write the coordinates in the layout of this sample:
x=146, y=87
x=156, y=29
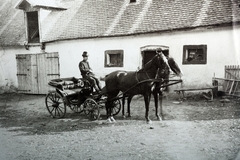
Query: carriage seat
x=67, y=83
x=68, y=92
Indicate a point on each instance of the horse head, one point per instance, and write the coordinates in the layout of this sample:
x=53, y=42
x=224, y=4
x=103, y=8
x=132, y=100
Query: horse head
x=162, y=64
x=171, y=64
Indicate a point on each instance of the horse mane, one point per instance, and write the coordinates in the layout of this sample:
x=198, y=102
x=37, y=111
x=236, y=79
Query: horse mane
x=174, y=66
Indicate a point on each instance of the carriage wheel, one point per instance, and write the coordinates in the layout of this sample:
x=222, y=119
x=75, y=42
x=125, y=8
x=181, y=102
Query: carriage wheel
x=74, y=106
x=116, y=107
x=91, y=108
x=55, y=105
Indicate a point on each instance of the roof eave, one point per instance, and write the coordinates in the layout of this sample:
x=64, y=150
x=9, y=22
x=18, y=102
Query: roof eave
x=49, y=7
x=152, y=32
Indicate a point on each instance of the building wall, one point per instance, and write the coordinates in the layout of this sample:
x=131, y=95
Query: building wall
x=222, y=49
x=8, y=66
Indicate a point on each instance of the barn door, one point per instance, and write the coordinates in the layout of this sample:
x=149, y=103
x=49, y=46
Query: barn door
x=48, y=69
x=34, y=71
x=24, y=73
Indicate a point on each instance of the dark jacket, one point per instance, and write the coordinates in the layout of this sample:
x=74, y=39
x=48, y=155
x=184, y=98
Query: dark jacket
x=84, y=68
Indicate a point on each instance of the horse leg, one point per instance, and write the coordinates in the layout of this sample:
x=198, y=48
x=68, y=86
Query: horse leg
x=123, y=103
x=129, y=102
x=109, y=110
x=147, y=101
x=160, y=101
x=108, y=105
x=155, y=95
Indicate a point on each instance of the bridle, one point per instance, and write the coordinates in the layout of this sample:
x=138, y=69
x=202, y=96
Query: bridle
x=164, y=59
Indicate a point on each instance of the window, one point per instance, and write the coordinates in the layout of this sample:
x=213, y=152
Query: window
x=114, y=58
x=133, y=1
x=32, y=27
x=195, y=54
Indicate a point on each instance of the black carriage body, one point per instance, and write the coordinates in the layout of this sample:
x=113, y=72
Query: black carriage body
x=76, y=93
x=74, y=90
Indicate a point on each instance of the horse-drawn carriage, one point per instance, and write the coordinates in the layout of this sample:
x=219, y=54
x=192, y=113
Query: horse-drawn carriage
x=78, y=95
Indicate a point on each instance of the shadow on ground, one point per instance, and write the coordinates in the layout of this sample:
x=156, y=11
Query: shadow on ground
x=28, y=114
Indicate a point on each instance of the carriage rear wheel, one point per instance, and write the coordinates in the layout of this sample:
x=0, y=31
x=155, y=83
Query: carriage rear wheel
x=91, y=108
x=55, y=105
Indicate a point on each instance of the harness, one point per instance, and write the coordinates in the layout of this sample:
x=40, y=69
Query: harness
x=138, y=78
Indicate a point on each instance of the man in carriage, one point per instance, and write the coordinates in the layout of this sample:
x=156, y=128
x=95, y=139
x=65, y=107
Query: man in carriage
x=87, y=73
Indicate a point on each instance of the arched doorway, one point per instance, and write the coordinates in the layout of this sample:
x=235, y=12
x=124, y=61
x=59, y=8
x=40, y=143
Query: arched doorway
x=149, y=51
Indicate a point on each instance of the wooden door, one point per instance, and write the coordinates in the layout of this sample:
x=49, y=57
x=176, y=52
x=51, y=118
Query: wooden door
x=23, y=73
x=34, y=71
x=48, y=69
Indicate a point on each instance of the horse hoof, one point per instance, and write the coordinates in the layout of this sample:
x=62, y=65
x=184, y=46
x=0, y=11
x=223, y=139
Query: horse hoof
x=112, y=119
x=129, y=115
x=108, y=120
x=159, y=118
x=124, y=116
x=149, y=122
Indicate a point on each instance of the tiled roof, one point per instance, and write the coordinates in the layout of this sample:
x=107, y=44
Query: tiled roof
x=12, y=30
x=100, y=18
x=91, y=18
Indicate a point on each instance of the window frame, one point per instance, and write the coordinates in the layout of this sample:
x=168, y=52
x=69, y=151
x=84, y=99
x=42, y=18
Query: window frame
x=108, y=54
x=186, y=48
x=32, y=40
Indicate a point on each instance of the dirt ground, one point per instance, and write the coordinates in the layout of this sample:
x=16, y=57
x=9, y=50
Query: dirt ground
x=192, y=128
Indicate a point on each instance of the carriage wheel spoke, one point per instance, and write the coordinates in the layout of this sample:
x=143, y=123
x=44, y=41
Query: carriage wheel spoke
x=116, y=107
x=91, y=108
x=52, y=98
x=55, y=105
x=52, y=110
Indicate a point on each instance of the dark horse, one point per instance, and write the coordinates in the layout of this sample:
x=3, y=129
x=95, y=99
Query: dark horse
x=134, y=83
x=158, y=89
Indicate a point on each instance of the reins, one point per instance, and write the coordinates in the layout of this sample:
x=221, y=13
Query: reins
x=146, y=70
x=143, y=81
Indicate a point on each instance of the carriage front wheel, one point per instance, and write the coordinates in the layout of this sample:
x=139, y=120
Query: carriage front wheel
x=91, y=108
x=55, y=105
x=116, y=107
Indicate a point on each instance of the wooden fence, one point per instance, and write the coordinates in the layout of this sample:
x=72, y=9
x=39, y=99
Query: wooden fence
x=232, y=72
x=231, y=82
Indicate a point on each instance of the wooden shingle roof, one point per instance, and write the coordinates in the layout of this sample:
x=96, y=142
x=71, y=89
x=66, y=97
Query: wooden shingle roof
x=12, y=30
x=104, y=18
x=91, y=18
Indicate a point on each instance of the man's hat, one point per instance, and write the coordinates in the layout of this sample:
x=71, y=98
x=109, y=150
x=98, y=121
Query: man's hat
x=85, y=54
